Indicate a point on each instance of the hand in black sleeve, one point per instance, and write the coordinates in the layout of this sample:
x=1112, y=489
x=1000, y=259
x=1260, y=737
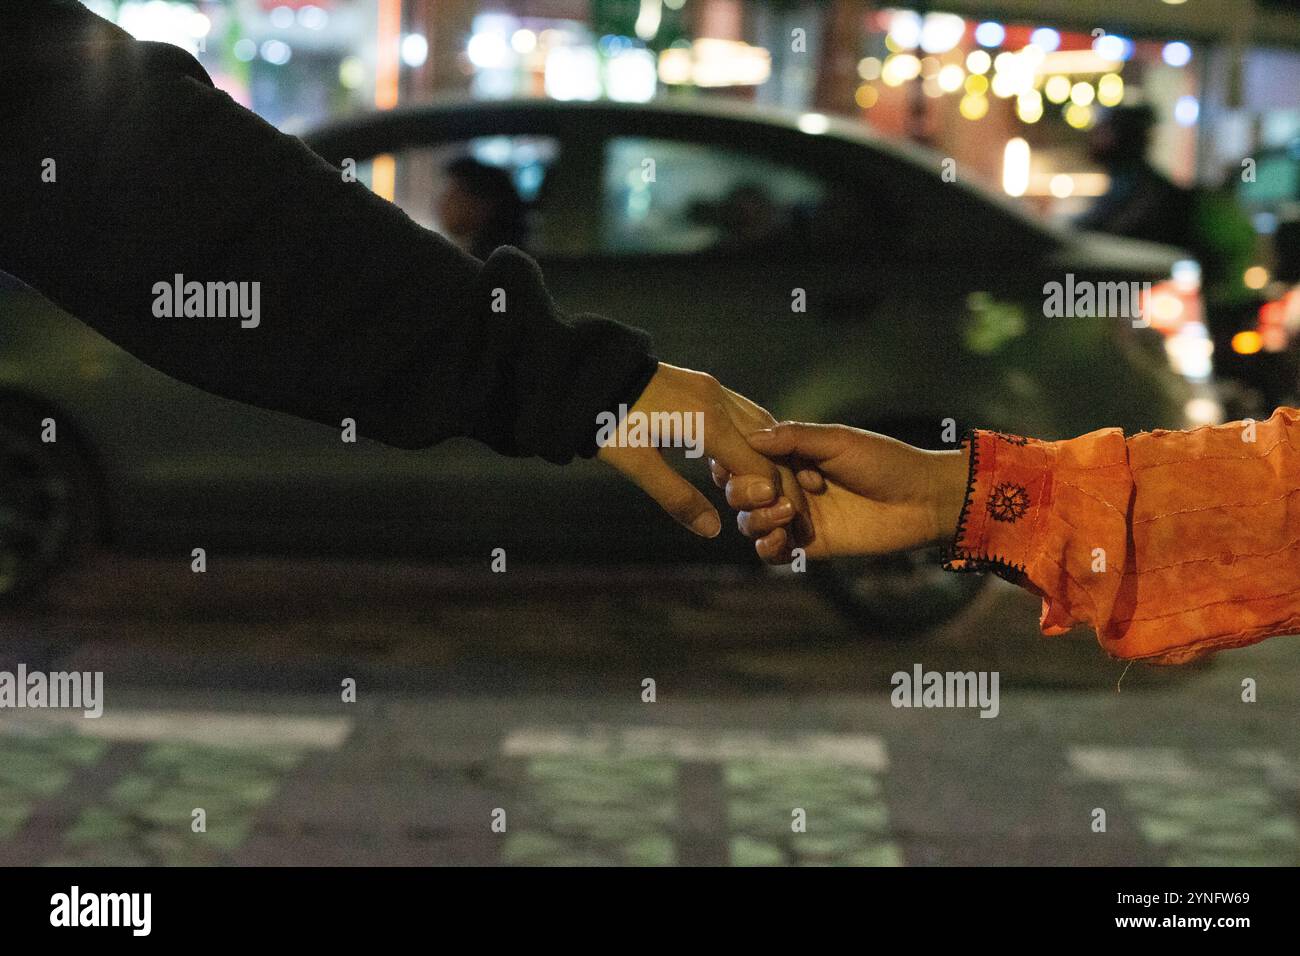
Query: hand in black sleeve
x=362, y=313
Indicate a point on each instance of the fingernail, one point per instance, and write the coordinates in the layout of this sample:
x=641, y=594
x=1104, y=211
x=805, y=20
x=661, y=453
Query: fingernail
x=764, y=491
x=783, y=507
x=707, y=525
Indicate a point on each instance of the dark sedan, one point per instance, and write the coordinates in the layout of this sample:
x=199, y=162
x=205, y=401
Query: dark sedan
x=825, y=273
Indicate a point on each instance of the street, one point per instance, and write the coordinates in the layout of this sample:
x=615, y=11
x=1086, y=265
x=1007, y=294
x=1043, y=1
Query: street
x=647, y=717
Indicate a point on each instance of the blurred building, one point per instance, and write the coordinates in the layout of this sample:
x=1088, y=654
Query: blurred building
x=1005, y=88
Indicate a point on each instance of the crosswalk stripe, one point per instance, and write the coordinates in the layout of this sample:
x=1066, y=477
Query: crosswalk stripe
x=864, y=751
x=208, y=728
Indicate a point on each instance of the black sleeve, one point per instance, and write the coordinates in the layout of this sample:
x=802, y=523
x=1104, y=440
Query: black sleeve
x=363, y=313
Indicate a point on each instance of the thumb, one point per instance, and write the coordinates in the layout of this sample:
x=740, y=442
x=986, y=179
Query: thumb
x=646, y=468
x=815, y=443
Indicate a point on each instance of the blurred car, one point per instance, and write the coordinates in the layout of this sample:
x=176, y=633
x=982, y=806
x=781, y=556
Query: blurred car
x=826, y=273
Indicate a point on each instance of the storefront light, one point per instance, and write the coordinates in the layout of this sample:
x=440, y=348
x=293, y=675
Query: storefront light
x=415, y=50
x=1082, y=93
x=977, y=61
x=1110, y=90
x=900, y=68
x=276, y=52
x=352, y=72
x=869, y=68
x=675, y=66
x=523, y=41
x=1004, y=85
x=1015, y=167
x=951, y=77
x=572, y=73
x=1057, y=89
x=905, y=29
x=488, y=50
x=990, y=34
x=180, y=24
x=648, y=19
x=631, y=76
x=1176, y=53
x=940, y=32
x=1187, y=109
x=313, y=17
x=1112, y=47
x=282, y=17
x=1191, y=352
x=1256, y=277
x=1079, y=117
x=1029, y=106
x=1046, y=39
x=814, y=123
x=974, y=106
x=1247, y=343
x=719, y=63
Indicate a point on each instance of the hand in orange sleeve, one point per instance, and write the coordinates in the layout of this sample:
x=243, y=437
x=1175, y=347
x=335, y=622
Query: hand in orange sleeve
x=1171, y=545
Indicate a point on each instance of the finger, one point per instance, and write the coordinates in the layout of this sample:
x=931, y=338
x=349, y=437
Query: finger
x=774, y=548
x=811, y=480
x=813, y=442
x=720, y=475
x=745, y=414
x=745, y=492
x=751, y=410
x=731, y=452
x=763, y=521
x=677, y=496
x=792, y=492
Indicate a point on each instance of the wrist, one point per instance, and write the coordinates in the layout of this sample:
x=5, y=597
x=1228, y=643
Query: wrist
x=949, y=486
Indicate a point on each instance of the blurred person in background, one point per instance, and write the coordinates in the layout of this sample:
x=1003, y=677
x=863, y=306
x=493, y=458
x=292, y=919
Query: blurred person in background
x=746, y=217
x=1207, y=221
x=1140, y=202
x=479, y=208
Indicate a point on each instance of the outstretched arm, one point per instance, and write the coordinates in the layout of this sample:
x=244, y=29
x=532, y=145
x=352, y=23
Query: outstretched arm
x=1171, y=545
x=125, y=169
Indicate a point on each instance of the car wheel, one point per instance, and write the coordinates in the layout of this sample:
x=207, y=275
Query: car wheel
x=46, y=513
x=900, y=595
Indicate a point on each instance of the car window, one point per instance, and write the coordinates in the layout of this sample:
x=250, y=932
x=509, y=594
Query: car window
x=480, y=193
x=664, y=196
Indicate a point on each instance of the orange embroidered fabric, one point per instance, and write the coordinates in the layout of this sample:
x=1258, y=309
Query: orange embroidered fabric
x=1171, y=545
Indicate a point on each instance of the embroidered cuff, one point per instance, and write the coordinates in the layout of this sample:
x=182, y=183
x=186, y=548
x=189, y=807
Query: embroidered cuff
x=1009, y=489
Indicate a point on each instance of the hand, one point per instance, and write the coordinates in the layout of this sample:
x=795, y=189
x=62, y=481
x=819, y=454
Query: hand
x=727, y=417
x=865, y=493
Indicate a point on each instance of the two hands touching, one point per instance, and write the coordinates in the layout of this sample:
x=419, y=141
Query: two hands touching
x=828, y=489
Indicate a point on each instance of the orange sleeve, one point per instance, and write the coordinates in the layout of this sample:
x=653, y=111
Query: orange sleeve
x=1171, y=545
